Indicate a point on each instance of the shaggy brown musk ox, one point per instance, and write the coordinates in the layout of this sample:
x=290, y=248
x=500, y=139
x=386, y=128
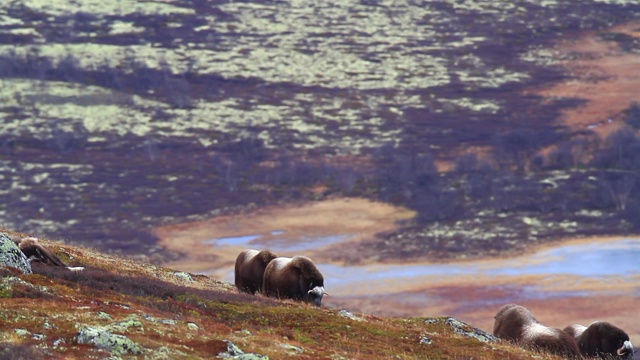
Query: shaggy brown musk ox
x=602, y=339
x=34, y=251
x=517, y=324
x=294, y=278
x=249, y=269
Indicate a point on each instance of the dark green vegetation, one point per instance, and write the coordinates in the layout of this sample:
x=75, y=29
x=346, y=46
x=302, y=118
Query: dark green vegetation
x=116, y=118
x=167, y=314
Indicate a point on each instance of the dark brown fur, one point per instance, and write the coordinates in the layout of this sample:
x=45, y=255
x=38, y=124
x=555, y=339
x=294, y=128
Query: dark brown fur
x=34, y=251
x=296, y=278
x=602, y=339
x=517, y=324
x=249, y=269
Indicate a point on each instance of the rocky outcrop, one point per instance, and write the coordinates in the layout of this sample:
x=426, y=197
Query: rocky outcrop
x=234, y=352
x=103, y=339
x=11, y=256
x=467, y=330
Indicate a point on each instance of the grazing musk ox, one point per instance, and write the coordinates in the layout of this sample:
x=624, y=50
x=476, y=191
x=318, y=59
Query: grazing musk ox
x=249, y=269
x=517, y=324
x=602, y=339
x=34, y=251
x=294, y=278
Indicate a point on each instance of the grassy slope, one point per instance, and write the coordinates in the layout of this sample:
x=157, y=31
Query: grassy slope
x=157, y=308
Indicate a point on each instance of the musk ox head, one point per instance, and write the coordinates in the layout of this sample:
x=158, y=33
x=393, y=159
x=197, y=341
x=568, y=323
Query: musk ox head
x=315, y=295
x=603, y=340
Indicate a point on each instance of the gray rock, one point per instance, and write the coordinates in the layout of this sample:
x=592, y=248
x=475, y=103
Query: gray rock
x=104, y=316
x=59, y=343
x=10, y=255
x=468, y=330
x=349, y=315
x=184, y=276
x=103, y=339
x=292, y=348
x=168, y=322
x=234, y=352
x=22, y=332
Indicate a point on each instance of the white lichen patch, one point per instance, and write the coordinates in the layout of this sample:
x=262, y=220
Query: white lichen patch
x=541, y=56
x=57, y=104
x=531, y=221
x=6, y=20
x=102, y=7
x=476, y=105
x=618, y=2
x=491, y=78
x=590, y=213
x=121, y=27
x=22, y=32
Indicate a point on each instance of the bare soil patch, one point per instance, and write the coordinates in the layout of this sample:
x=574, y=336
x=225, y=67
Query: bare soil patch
x=603, y=74
x=360, y=219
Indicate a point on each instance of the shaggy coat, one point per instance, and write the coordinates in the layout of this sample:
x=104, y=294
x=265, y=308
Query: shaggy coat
x=601, y=339
x=294, y=278
x=249, y=269
x=517, y=324
x=34, y=251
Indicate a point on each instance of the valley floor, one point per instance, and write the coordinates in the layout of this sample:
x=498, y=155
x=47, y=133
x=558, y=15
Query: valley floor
x=470, y=291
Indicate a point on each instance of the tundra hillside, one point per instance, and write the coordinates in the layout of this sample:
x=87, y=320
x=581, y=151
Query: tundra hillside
x=122, y=308
x=120, y=116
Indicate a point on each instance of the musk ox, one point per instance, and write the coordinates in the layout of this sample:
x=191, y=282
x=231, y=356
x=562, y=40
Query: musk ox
x=517, y=324
x=294, y=278
x=249, y=269
x=34, y=251
x=601, y=339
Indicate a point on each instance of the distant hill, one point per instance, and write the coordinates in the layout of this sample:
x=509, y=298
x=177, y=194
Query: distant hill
x=117, y=116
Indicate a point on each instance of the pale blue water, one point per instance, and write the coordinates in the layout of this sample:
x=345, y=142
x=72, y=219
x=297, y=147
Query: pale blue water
x=589, y=260
x=278, y=241
x=306, y=243
x=618, y=258
x=243, y=240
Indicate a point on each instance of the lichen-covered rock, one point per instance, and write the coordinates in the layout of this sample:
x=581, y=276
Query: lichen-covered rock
x=349, y=315
x=234, y=352
x=468, y=330
x=125, y=325
x=186, y=277
x=292, y=348
x=8, y=283
x=10, y=255
x=103, y=339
